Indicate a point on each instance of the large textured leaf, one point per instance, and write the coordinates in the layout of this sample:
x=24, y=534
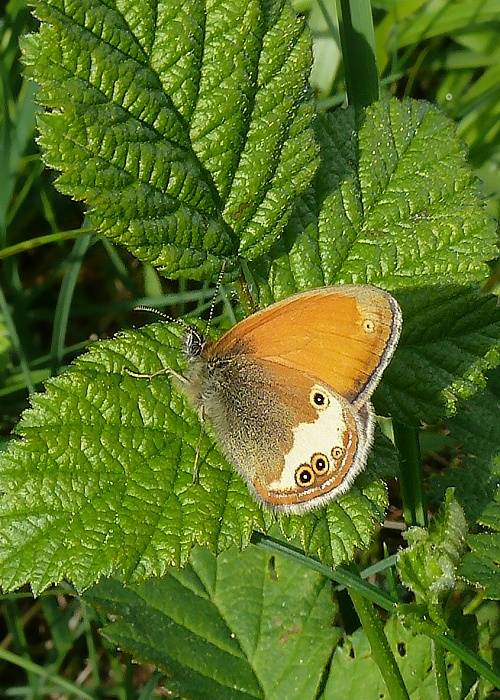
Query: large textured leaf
x=184, y=126
x=233, y=627
x=475, y=468
x=481, y=566
x=450, y=341
x=355, y=674
x=101, y=482
x=476, y=471
x=394, y=204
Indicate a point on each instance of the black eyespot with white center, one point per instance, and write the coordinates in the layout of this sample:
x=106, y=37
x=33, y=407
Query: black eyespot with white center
x=319, y=463
x=304, y=476
x=319, y=398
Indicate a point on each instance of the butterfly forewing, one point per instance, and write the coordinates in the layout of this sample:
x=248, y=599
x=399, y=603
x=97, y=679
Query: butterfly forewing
x=343, y=335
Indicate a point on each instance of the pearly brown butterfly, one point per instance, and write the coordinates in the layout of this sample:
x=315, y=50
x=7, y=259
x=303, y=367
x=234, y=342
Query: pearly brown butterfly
x=287, y=391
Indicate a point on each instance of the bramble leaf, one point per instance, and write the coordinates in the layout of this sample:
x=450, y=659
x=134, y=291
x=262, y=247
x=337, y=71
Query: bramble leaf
x=185, y=127
x=354, y=672
x=394, y=204
x=476, y=430
x=333, y=533
x=451, y=339
x=187, y=130
x=475, y=469
x=230, y=627
x=481, y=566
x=101, y=482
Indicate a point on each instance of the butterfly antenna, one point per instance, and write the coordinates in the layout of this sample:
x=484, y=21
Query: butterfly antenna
x=166, y=317
x=214, y=300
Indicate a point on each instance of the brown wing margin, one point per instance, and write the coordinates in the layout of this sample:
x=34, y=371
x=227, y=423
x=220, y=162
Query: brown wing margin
x=342, y=335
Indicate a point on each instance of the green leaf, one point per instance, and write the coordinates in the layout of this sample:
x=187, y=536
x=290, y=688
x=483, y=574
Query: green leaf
x=450, y=341
x=354, y=673
x=394, y=204
x=481, y=566
x=488, y=623
x=428, y=565
x=475, y=473
x=185, y=127
x=475, y=467
x=237, y=626
x=101, y=482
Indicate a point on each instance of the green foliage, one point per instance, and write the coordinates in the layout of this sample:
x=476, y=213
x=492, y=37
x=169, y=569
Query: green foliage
x=428, y=565
x=475, y=474
x=102, y=481
x=4, y=346
x=229, y=627
x=186, y=129
x=488, y=632
x=475, y=468
x=189, y=132
x=354, y=673
x=481, y=566
x=394, y=204
x=392, y=181
x=450, y=51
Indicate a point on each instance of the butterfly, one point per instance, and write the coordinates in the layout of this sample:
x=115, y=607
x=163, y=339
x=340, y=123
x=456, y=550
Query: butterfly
x=287, y=391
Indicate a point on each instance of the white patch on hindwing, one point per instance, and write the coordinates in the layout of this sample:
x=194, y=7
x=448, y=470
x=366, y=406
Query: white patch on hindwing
x=320, y=436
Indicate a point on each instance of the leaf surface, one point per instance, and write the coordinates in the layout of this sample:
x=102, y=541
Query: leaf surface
x=185, y=127
x=355, y=674
x=101, y=481
x=481, y=566
x=476, y=471
x=242, y=625
x=475, y=467
x=394, y=204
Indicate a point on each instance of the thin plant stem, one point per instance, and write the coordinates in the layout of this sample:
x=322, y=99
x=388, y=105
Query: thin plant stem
x=380, y=598
x=439, y=664
x=381, y=651
x=42, y=240
x=340, y=575
x=28, y=665
x=16, y=343
x=410, y=477
x=246, y=286
x=377, y=568
x=64, y=300
x=357, y=38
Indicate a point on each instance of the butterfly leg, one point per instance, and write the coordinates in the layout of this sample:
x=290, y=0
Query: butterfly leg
x=196, y=465
x=164, y=370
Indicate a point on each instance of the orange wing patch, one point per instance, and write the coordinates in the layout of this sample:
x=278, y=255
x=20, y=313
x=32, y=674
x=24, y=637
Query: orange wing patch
x=343, y=336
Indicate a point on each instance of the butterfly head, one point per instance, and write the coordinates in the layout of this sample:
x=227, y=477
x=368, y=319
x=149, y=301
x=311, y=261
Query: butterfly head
x=194, y=343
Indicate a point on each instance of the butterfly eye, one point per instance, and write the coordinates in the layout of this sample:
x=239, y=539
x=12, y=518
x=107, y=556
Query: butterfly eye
x=304, y=476
x=337, y=452
x=318, y=398
x=319, y=463
x=368, y=325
